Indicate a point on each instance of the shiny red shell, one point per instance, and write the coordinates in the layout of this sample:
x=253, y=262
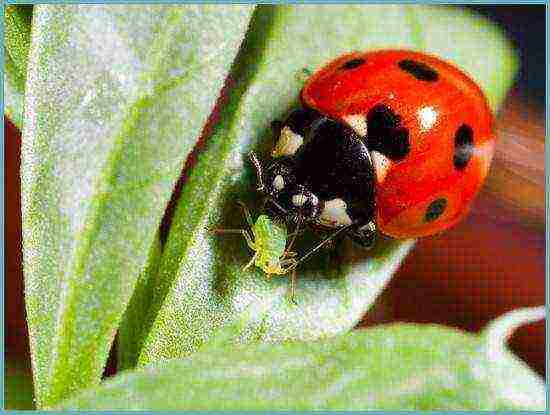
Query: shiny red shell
x=441, y=108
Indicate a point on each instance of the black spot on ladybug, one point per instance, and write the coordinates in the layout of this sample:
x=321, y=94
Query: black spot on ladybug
x=464, y=146
x=385, y=133
x=419, y=70
x=436, y=208
x=352, y=64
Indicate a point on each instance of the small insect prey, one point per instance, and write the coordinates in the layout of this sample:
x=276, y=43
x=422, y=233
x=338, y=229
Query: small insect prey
x=268, y=239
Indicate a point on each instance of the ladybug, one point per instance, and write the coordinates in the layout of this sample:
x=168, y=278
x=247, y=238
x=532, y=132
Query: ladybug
x=390, y=141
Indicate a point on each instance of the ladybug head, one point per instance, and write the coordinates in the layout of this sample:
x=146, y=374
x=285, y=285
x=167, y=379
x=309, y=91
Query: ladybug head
x=286, y=198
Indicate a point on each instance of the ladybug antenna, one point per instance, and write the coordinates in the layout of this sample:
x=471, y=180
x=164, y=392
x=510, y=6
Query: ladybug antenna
x=258, y=167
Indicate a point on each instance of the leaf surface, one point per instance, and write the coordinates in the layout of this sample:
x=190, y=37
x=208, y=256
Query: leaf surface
x=116, y=99
x=14, y=93
x=17, y=19
x=392, y=367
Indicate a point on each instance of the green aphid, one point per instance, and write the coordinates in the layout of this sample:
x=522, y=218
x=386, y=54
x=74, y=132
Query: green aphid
x=268, y=240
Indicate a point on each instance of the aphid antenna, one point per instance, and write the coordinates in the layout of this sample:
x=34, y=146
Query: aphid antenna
x=258, y=167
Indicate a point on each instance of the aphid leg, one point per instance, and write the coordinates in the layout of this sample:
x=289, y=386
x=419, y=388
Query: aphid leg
x=249, y=240
x=293, y=287
x=247, y=214
x=250, y=262
x=291, y=263
x=244, y=232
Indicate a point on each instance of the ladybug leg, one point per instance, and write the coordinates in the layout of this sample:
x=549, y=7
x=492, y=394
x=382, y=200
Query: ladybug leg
x=293, y=236
x=321, y=233
x=298, y=232
x=327, y=240
x=364, y=235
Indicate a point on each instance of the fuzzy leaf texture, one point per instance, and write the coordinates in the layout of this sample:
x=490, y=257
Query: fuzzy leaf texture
x=199, y=283
x=17, y=24
x=116, y=98
x=393, y=367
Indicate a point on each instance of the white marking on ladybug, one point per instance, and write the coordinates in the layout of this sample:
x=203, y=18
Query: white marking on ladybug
x=299, y=199
x=279, y=182
x=427, y=117
x=334, y=213
x=358, y=122
x=289, y=142
x=381, y=164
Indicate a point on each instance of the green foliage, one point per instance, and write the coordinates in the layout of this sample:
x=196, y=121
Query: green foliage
x=400, y=366
x=116, y=99
x=18, y=21
x=132, y=328
x=14, y=93
x=17, y=38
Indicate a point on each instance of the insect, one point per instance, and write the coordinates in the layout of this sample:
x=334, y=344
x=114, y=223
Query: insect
x=268, y=239
x=390, y=141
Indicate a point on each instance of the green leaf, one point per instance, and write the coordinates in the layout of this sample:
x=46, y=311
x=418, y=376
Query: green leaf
x=18, y=392
x=132, y=329
x=14, y=93
x=116, y=99
x=398, y=366
x=202, y=285
x=17, y=39
x=17, y=36
x=510, y=378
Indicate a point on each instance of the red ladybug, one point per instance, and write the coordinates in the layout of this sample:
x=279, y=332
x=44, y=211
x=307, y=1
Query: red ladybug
x=392, y=140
